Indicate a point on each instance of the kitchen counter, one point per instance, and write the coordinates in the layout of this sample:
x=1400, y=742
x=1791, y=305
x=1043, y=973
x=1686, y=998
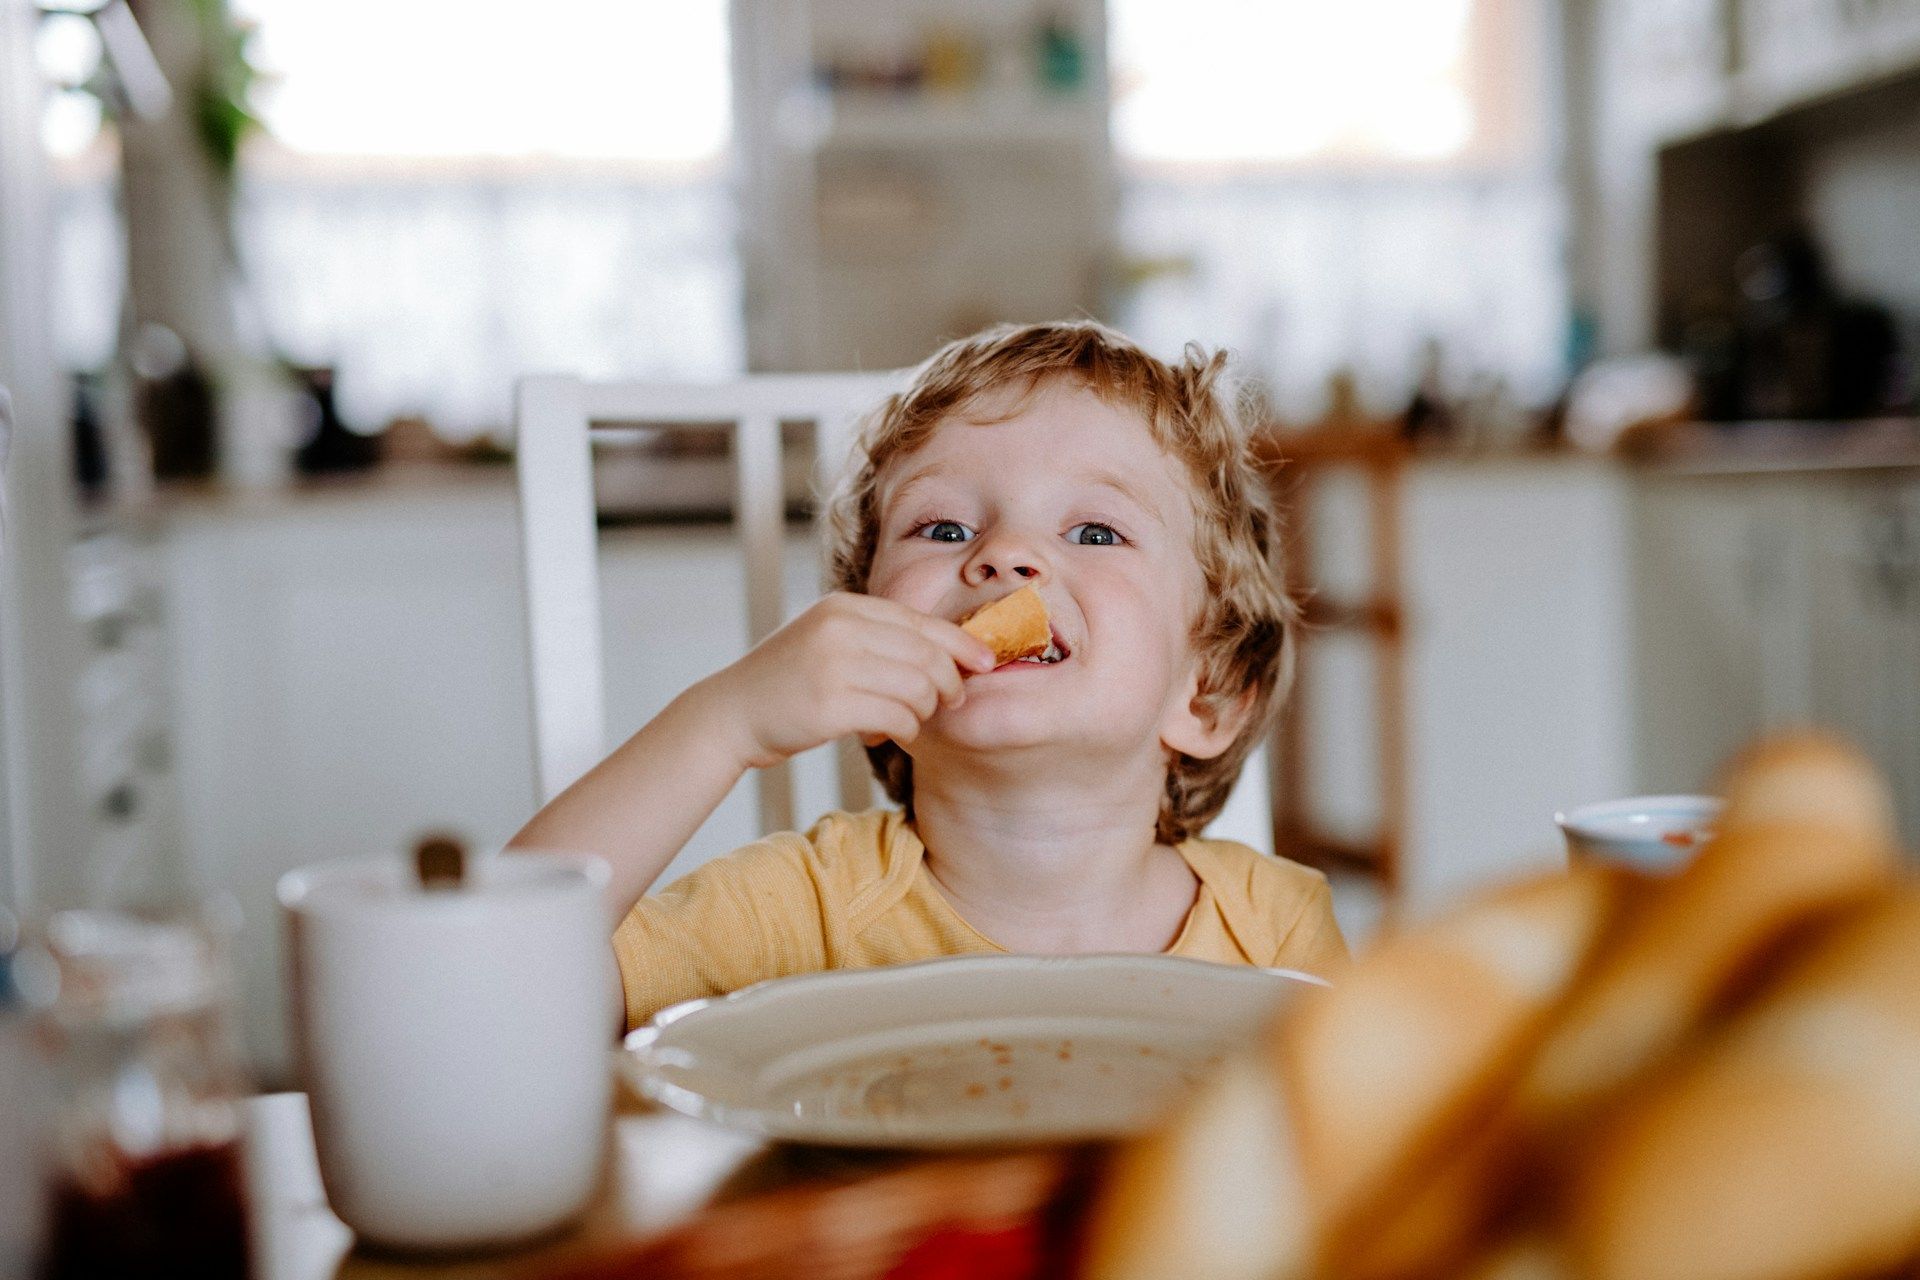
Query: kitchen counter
x=630, y=488
x=1691, y=448
x=401, y=480
x=1749, y=448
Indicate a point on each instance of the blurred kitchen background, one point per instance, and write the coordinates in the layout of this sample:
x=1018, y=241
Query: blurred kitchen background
x=1587, y=329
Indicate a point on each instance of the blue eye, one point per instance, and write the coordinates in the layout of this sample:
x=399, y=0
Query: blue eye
x=944, y=531
x=1093, y=534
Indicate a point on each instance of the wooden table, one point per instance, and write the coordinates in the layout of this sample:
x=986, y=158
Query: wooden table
x=847, y=1213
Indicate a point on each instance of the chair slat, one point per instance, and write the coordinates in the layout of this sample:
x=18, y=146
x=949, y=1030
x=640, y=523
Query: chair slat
x=562, y=577
x=791, y=396
x=759, y=513
x=832, y=445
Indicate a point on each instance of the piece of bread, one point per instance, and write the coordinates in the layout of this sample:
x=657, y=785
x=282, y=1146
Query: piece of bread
x=1527, y=1256
x=1014, y=626
x=1213, y=1195
x=1600, y=1075
x=1788, y=1146
x=1386, y=1068
x=1807, y=826
x=1808, y=823
x=1807, y=777
x=1283, y=1152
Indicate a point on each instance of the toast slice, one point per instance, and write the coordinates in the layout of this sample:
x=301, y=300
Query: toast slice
x=1014, y=626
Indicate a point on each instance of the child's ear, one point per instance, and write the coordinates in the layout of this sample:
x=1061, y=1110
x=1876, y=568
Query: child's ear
x=1209, y=723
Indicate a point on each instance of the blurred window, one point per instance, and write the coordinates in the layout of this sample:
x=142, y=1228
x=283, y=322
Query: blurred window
x=1327, y=185
x=588, y=79
x=450, y=193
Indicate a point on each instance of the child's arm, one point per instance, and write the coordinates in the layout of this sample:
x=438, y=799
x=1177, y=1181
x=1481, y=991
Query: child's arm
x=849, y=664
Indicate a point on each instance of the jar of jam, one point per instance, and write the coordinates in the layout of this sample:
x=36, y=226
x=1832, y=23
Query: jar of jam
x=136, y=1031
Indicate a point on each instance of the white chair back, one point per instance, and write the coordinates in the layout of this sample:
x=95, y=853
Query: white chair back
x=556, y=419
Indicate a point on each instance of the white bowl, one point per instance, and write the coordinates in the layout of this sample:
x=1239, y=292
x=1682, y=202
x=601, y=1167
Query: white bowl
x=1649, y=833
x=969, y=1051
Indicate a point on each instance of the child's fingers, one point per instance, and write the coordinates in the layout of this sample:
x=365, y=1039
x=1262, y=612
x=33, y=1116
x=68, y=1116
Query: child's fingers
x=885, y=718
x=907, y=683
x=969, y=651
x=911, y=648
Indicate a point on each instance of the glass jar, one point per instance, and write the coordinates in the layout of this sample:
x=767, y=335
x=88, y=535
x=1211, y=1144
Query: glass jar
x=146, y=1091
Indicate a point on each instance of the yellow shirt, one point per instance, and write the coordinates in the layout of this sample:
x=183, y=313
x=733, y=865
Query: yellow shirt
x=854, y=892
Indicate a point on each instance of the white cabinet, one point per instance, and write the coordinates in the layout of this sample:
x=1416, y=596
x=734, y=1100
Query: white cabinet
x=1864, y=644
x=1671, y=68
x=1792, y=47
x=1578, y=632
x=1764, y=601
x=123, y=716
x=1796, y=49
x=1722, y=596
x=1666, y=63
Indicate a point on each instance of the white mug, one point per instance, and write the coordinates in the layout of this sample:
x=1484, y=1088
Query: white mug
x=454, y=1044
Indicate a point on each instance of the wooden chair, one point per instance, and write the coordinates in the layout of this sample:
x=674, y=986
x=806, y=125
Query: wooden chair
x=1377, y=453
x=556, y=420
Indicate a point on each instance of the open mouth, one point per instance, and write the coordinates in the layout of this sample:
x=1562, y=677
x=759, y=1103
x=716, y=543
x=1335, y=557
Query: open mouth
x=1057, y=651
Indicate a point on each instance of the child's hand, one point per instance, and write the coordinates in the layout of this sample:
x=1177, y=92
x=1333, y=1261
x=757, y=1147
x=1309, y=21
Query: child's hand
x=850, y=664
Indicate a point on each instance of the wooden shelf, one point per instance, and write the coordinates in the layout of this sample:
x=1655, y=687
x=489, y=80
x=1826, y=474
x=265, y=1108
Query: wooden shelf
x=816, y=120
x=1377, y=453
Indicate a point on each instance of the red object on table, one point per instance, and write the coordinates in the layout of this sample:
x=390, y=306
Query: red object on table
x=1010, y=1253
x=1013, y=1216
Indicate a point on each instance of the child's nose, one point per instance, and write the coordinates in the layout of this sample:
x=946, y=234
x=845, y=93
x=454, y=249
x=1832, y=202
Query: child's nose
x=982, y=570
x=1003, y=558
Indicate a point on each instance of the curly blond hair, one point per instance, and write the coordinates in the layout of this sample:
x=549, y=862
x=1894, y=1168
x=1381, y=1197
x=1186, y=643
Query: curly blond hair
x=1244, y=631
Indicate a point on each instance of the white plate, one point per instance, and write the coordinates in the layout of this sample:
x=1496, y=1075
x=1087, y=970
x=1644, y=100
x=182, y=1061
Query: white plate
x=970, y=1051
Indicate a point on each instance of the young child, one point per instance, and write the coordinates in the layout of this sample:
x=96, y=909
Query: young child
x=1045, y=807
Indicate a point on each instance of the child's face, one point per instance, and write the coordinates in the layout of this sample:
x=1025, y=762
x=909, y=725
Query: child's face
x=1072, y=495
